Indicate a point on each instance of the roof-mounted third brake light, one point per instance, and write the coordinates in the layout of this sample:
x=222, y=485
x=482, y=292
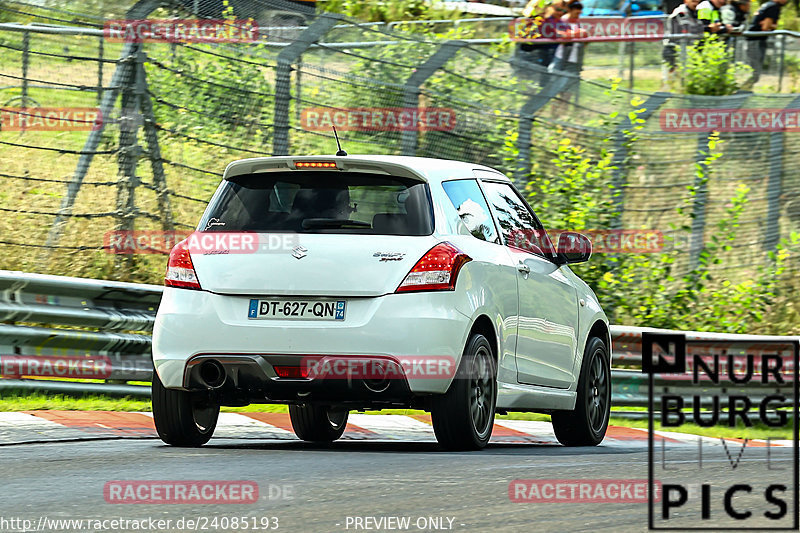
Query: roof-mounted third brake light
x=315, y=164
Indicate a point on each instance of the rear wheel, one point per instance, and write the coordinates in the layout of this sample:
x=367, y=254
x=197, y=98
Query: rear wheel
x=587, y=424
x=463, y=417
x=181, y=418
x=316, y=423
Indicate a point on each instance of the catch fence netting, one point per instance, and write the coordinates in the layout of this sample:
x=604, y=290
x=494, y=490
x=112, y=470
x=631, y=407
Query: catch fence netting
x=177, y=112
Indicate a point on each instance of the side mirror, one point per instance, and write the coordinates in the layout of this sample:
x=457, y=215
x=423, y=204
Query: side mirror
x=574, y=247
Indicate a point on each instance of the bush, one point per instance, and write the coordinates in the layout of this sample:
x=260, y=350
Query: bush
x=710, y=69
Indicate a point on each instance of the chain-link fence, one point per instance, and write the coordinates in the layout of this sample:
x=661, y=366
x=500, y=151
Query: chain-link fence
x=168, y=117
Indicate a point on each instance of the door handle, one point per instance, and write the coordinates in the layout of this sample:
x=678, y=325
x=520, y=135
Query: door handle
x=523, y=268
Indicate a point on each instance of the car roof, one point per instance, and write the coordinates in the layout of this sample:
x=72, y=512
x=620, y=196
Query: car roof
x=429, y=169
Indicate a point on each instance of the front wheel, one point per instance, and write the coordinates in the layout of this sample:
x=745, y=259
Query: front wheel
x=316, y=423
x=463, y=417
x=587, y=424
x=181, y=418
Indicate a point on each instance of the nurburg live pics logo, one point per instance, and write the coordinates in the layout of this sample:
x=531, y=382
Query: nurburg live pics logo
x=722, y=484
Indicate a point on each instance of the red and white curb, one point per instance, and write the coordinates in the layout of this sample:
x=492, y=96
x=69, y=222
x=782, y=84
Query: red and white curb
x=53, y=426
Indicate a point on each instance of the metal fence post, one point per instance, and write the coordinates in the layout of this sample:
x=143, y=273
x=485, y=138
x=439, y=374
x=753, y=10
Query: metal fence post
x=555, y=84
x=100, y=50
x=411, y=92
x=772, y=226
x=127, y=159
x=124, y=70
x=283, y=77
x=684, y=57
x=298, y=88
x=26, y=44
x=153, y=148
x=620, y=156
x=781, y=61
x=631, y=65
x=701, y=182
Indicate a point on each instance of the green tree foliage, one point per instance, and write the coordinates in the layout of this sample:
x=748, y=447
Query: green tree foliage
x=389, y=11
x=650, y=289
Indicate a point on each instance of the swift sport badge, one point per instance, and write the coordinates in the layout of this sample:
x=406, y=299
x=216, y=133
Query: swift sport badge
x=389, y=256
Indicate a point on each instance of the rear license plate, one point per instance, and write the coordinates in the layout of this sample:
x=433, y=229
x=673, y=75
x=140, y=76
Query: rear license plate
x=297, y=309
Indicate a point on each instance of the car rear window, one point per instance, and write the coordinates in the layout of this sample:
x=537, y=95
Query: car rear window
x=321, y=202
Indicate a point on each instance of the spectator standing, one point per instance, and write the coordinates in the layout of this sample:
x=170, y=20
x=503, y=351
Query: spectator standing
x=681, y=22
x=544, y=26
x=569, y=55
x=735, y=15
x=765, y=19
x=708, y=12
x=540, y=26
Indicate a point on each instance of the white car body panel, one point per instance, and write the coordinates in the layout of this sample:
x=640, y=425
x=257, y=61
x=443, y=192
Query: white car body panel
x=540, y=333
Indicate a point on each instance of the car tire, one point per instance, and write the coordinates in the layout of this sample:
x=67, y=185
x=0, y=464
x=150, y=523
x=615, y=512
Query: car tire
x=463, y=417
x=181, y=418
x=587, y=424
x=314, y=423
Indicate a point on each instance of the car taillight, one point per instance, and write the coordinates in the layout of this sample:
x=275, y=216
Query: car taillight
x=436, y=271
x=180, y=270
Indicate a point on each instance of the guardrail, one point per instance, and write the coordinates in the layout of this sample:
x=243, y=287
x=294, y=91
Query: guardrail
x=43, y=315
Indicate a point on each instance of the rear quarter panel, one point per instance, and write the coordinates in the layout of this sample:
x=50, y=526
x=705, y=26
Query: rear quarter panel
x=588, y=315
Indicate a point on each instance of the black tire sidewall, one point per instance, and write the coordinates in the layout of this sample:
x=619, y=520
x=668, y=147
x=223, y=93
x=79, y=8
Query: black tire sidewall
x=173, y=416
x=311, y=423
x=471, y=358
x=596, y=347
x=451, y=414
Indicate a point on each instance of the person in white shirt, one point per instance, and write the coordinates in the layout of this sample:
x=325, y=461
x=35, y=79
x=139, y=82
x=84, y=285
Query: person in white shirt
x=569, y=54
x=681, y=22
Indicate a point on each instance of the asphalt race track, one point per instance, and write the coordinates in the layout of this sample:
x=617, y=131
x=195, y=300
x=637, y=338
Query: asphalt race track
x=326, y=488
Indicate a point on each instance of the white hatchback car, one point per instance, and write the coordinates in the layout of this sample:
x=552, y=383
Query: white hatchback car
x=377, y=282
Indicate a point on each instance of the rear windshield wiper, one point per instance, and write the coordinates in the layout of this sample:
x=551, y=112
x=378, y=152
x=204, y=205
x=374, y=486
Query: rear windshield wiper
x=310, y=223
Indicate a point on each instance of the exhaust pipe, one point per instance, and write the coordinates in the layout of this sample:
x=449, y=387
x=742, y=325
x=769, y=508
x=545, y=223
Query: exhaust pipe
x=376, y=385
x=212, y=374
x=380, y=381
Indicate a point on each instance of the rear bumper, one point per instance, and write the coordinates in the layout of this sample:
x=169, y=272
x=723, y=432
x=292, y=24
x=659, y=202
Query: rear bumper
x=196, y=325
x=252, y=378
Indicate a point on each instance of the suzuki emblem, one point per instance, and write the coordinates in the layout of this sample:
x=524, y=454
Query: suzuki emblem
x=299, y=252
